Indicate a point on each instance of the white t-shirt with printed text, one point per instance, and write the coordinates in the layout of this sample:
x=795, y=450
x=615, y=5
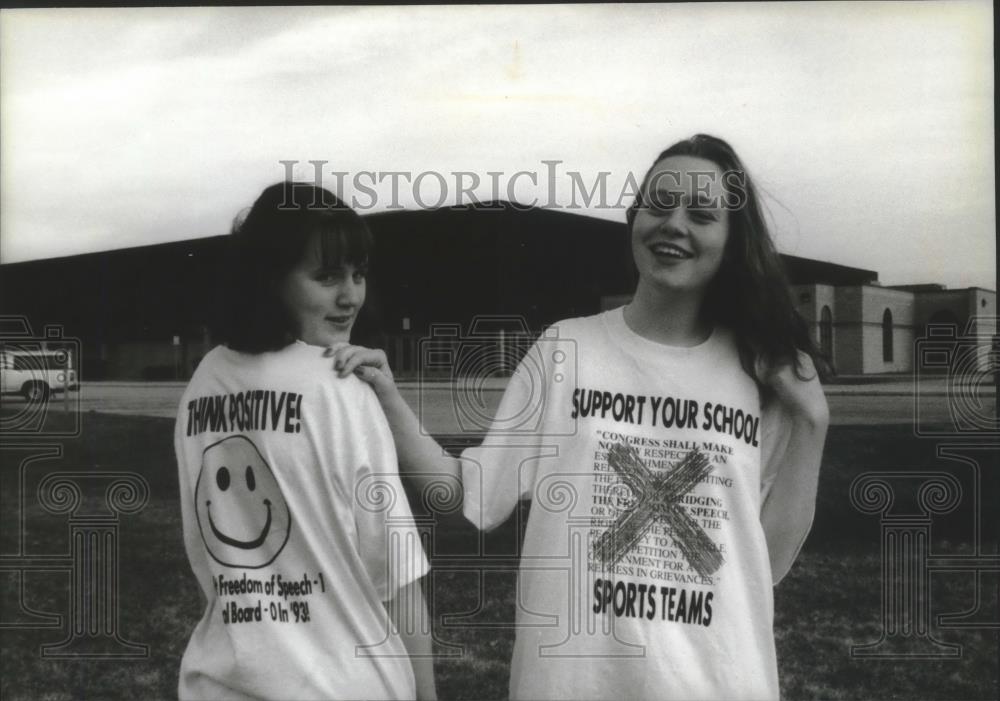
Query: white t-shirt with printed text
x=297, y=529
x=644, y=572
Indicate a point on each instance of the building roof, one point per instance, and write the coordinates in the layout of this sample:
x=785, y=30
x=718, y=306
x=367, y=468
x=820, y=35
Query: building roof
x=806, y=271
x=448, y=264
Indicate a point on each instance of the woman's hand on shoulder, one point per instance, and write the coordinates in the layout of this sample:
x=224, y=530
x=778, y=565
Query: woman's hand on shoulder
x=802, y=398
x=368, y=364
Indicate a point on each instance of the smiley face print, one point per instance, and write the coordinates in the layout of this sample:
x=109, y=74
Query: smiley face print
x=243, y=517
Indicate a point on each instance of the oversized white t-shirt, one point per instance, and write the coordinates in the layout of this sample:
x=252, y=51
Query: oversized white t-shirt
x=644, y=572
x=297, y=529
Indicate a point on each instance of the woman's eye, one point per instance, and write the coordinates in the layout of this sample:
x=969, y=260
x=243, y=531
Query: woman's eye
x=335, y=277
x=661, y=203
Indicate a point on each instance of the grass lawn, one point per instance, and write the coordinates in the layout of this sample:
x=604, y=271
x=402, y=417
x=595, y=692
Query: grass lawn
x=830, y=601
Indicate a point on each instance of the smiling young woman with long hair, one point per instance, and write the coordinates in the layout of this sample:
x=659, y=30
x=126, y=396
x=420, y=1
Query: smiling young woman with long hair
x=671, y=457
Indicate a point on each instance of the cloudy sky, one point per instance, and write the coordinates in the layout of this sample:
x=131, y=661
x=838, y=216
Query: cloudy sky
x=869, y=125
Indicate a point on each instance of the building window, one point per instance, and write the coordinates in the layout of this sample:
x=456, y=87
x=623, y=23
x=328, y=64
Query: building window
x=887, y=336
x=941, y=318
x=826, y=332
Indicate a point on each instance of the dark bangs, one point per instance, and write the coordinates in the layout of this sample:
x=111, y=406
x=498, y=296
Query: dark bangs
x=265, y=245
x=341, y=240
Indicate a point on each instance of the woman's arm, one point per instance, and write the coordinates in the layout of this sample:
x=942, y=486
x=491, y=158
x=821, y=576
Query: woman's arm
x=489, y=478
x=408, y=612
x=421, y=458
x=790, y=504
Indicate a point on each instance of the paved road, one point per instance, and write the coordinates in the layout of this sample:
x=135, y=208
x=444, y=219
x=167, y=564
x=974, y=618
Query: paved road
x=441, y=406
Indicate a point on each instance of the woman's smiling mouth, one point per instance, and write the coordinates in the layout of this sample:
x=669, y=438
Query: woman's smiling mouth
x=670, y=250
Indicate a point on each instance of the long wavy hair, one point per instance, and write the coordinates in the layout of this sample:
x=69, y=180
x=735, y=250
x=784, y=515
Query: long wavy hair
x=750, y=293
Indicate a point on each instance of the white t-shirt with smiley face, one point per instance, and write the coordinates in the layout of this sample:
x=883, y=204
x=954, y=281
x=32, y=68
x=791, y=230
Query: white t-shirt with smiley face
x=297, y=529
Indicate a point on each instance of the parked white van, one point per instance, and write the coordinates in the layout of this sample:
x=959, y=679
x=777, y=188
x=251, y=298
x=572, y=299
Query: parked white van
x=35, y=374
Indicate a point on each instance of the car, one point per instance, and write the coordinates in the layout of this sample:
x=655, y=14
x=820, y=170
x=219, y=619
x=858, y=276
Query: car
x=35, y=374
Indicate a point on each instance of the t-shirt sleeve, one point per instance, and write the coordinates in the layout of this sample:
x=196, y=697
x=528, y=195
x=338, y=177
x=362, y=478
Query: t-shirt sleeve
x=188, y=467
x=777, y=437
x=776, y=430
x=388, y=538
x=191, y=538
x=526, y=429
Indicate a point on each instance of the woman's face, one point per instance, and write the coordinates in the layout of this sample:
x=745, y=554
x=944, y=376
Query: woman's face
x=679, y=233
x=324, y=302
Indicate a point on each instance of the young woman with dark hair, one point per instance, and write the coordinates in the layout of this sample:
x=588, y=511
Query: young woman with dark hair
x=269, y=243
x=671, y=449
x=295, y=523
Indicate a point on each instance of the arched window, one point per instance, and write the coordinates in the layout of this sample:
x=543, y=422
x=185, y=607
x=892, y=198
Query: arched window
x=887, y=336
x=826, y=332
